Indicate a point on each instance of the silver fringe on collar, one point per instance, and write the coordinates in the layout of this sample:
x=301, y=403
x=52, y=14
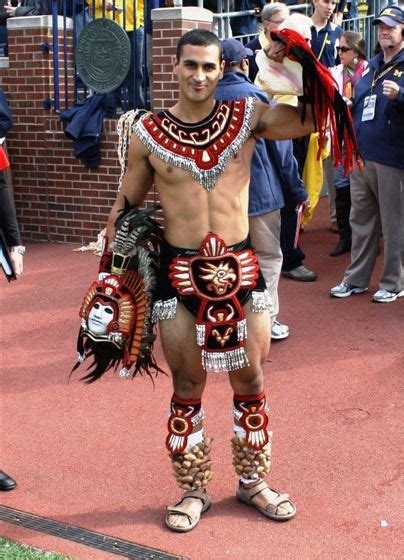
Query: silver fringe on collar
x=206, y=177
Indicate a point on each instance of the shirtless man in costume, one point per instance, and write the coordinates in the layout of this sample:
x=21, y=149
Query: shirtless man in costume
x=210, y=289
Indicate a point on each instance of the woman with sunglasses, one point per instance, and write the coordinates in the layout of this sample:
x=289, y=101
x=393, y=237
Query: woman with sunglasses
x=351, y=52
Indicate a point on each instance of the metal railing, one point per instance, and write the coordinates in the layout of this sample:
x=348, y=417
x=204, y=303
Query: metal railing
x=77, y=14
x=72, y=10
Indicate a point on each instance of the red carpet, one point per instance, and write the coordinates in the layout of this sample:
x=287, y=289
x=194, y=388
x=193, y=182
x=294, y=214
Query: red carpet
x=93, y=456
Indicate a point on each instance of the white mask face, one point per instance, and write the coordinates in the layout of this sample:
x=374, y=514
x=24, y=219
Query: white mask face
x=99, y=318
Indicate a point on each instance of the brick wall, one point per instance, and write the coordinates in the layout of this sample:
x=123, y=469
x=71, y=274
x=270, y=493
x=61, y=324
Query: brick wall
x=57, y=198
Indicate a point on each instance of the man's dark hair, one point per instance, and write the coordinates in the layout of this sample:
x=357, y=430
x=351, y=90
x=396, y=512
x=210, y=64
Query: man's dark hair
x=200, y=38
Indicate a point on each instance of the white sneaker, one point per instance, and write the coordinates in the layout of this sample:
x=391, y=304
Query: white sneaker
x=384, y=296
x=345, y=290
x=279, y=331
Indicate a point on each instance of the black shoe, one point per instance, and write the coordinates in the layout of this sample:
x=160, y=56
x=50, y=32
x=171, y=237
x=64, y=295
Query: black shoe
x=6, y=482
x=340, y=248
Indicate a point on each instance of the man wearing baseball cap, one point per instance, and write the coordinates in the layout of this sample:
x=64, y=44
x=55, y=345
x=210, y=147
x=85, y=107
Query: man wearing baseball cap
x=376, y=191
x=273, y=170
x=234, y=52
x=390, y=16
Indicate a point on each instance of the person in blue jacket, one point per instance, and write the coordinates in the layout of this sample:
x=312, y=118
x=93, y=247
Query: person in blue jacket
x=377, y=192
x=324, y=33
x=273, y=169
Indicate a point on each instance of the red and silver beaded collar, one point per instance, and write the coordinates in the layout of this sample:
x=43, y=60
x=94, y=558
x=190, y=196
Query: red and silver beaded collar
x=202, y=148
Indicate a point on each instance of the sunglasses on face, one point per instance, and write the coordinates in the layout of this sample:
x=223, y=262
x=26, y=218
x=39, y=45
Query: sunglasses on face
x=343, y=49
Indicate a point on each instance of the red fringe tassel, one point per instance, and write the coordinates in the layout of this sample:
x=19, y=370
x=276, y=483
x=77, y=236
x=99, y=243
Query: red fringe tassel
x=330, y=112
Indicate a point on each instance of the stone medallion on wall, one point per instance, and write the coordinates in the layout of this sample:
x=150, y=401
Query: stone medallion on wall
x=103, y=55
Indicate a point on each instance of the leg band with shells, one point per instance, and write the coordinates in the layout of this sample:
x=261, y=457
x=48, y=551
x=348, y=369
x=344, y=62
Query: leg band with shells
x=252, y=442
x=189, y=449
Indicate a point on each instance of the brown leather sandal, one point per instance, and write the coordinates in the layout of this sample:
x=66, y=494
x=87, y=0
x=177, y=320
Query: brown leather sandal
x=198, y=494
x=246, y=496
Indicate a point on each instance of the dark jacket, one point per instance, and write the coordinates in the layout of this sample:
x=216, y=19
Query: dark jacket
x=6, y=119
x=245, y=25
x=381, y=139
x=85, y=123
x=27, y=8
x=273, y=167
x=254, y=45
x=9, y=231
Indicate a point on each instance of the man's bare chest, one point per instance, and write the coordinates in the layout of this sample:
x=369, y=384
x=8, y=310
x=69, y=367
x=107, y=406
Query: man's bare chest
x=205, y=150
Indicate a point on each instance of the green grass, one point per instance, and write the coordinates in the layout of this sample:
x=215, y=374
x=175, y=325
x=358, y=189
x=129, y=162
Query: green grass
x=13, y=551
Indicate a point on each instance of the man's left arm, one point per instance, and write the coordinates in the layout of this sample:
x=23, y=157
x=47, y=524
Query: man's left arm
x=283, y=122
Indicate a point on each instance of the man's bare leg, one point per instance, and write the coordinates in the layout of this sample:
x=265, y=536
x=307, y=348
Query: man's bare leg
x=189, y=378
x=249, y=382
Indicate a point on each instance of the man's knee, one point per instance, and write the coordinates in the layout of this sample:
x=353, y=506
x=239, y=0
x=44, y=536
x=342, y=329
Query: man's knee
x=250, y=382
x=186, y=385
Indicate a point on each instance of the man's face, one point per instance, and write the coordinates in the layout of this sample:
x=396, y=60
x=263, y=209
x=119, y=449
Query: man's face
x=276, y=19
x=325, y=8
x=389, y=36
x=198, y=70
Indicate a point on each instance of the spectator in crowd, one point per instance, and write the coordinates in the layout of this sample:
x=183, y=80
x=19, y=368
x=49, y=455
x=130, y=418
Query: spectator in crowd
x=246, y=25
x=276, y=16
x=324, y=42
x=377, y=194
x=11, y=250
x=345, y=10
x=3, y=29
x=78, y=10
x=110, y=10
x=133, y=23
x=148, y=26
x=15, y=8
x=272, y=15
x=353, y=63
x=324, y=33
x=273, y=167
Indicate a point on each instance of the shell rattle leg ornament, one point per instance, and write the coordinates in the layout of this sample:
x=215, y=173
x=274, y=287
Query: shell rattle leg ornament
x=252, y=458
x=252, y=441
x=188, y=447
x=190, y=457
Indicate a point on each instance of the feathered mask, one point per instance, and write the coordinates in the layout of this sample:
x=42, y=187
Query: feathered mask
x=330, y=112
x=116, y=328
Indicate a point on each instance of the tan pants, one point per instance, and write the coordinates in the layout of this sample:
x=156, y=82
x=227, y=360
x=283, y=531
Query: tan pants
x=377, y=198
x=265, y=231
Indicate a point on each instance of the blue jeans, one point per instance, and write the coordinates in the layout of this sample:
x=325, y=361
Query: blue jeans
x=135, y=82
x=339, y=180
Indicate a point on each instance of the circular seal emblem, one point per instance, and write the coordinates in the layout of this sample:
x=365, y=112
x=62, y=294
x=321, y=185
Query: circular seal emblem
x=103, y=55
